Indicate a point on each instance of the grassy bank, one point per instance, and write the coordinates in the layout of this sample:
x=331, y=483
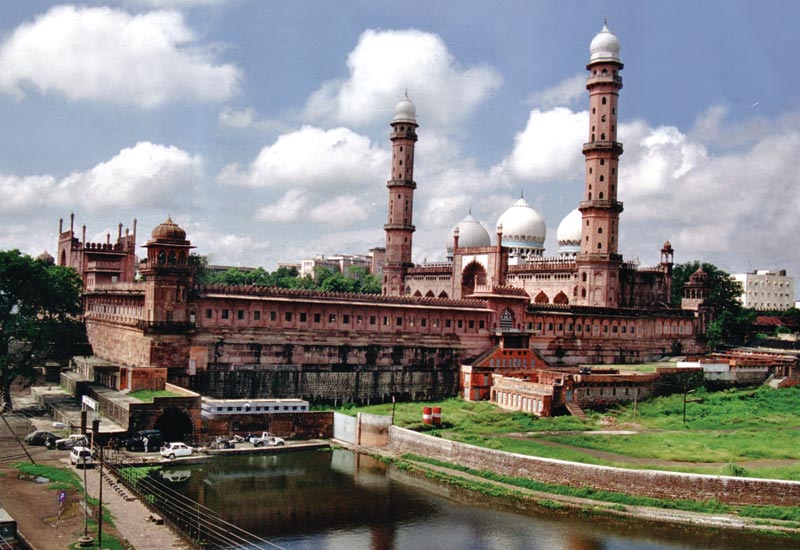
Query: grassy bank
x=751, y=432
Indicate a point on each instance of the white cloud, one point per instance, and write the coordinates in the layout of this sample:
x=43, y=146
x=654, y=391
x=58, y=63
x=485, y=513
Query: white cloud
x=146, y=174
x=110, y=55
x=245, y=119
x=563, y=94
x=143, y=175
x=342, y=210
x=315, y=158
x=289, y=208
x=384, y=63
x=549, y=147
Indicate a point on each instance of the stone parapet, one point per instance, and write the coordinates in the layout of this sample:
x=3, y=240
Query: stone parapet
x=649, y=483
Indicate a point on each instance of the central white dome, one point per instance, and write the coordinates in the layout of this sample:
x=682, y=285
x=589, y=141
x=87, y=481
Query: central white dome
x=604, y=47
x=470, y=234
x=523, y=227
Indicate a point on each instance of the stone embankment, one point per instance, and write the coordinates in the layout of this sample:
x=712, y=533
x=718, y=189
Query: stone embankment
x=649, y=483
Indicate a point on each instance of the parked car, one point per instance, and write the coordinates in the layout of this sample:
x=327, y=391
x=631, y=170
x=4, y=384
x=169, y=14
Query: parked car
x=175, y=476
x=69, y=442
x=136, y=443
x=266, y=439
x=223, y=443
x=40, y=437
x=174, y=449
x=81, y=456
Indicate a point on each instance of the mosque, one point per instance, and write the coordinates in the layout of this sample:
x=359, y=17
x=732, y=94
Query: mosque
x=492, y=311
x=588, y=270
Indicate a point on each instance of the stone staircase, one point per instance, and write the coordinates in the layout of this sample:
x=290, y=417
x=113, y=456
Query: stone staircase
x=576, y=410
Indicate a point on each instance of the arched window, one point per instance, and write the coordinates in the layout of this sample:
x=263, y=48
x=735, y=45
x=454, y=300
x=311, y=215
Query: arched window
x=173, y=258
x=603, y=101
x=162, y=257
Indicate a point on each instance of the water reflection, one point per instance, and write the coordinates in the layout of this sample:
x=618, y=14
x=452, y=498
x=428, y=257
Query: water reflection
x=339, y=499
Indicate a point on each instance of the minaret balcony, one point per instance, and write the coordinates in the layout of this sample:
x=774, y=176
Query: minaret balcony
x=604, y=79
x=402, y=183
x=613, y=146
x=614, y=206
x=399, y=227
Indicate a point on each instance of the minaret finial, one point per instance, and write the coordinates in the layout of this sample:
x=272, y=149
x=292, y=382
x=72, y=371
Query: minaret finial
x=521, y=194
x=470, y=209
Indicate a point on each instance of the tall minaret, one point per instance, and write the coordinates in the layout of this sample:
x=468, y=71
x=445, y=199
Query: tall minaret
x=399, y=228
x=598, y=260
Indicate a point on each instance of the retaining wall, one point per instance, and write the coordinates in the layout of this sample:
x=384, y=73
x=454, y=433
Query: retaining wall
x=650, y=483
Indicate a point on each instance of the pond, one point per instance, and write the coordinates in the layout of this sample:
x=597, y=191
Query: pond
x=339, y=499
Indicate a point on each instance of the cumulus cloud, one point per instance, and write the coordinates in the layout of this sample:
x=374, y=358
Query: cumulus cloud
x=549, y=147
x=312, y=157
x=287, y=209
x=146, y=174
x=563, y=94
x=109, y=55
x=733, y=207
x=345, y=209
x=384, y=63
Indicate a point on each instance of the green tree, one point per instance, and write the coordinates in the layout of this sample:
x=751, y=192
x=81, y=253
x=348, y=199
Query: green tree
x=39, y=304
x=732, y=324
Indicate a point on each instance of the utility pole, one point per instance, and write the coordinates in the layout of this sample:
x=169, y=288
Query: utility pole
x=100, y=504
x=17, y=439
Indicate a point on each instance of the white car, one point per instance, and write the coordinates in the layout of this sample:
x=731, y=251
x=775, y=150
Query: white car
x=174, y=449
x=81, y=456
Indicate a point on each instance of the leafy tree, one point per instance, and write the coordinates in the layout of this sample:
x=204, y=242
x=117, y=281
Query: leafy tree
x=732, y=323
x=39, y=304
x=201, y=273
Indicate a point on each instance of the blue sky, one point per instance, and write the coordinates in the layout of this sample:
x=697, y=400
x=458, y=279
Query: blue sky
x=262, y=127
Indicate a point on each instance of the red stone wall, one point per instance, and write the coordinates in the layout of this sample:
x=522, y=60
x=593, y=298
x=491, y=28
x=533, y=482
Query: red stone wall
x=122, y=344
x=650, y=483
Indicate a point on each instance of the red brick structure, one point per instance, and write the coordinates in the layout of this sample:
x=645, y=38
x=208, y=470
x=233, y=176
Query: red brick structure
x=587, y=307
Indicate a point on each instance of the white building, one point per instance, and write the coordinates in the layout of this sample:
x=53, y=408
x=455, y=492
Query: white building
x=766, y=290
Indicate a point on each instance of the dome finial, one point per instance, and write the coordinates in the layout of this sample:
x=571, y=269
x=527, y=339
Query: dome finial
x=521, y=194
x=470, y=209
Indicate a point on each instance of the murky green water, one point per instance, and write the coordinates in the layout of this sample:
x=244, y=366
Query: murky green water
x=340, y=500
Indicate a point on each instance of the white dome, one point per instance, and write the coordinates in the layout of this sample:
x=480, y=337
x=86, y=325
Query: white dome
x=470, y=234
x=569, y=233
x=405, y=111
x=604, y=47
x=523, y=227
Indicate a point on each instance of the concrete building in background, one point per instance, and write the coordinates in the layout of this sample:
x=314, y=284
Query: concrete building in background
x=765, y=290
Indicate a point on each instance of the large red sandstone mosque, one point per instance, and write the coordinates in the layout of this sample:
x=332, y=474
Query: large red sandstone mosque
x=491, y=308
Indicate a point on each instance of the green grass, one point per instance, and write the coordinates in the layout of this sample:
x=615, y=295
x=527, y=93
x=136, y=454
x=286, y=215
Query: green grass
x=724, y=433
x=147, y=396
x=60, y=478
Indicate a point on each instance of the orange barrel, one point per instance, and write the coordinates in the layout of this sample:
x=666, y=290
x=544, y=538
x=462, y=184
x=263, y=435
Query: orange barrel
x=426, y=415
x=437, y=416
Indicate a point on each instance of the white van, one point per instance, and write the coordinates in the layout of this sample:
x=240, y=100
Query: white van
x=81, y=456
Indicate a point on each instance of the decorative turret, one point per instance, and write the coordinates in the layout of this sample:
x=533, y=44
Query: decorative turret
x=399, y=228
x=168, y=276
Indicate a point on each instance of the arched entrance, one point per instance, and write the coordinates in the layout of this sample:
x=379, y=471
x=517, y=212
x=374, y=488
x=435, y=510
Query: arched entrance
x=474, y=274
x=175, y=425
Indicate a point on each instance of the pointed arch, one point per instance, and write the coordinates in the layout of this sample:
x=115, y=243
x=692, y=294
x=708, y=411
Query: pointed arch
x=541, y=298
x=418, y=294
x=561, y=299
x=430, y=294
x=473, y=274
x=443, y=294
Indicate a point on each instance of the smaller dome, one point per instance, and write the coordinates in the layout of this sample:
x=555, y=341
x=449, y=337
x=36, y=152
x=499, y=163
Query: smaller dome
x=569, y=230
x=604, y=47
x=46, y=258
x=405, y=111
x=470, y=234
x=168, y=231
